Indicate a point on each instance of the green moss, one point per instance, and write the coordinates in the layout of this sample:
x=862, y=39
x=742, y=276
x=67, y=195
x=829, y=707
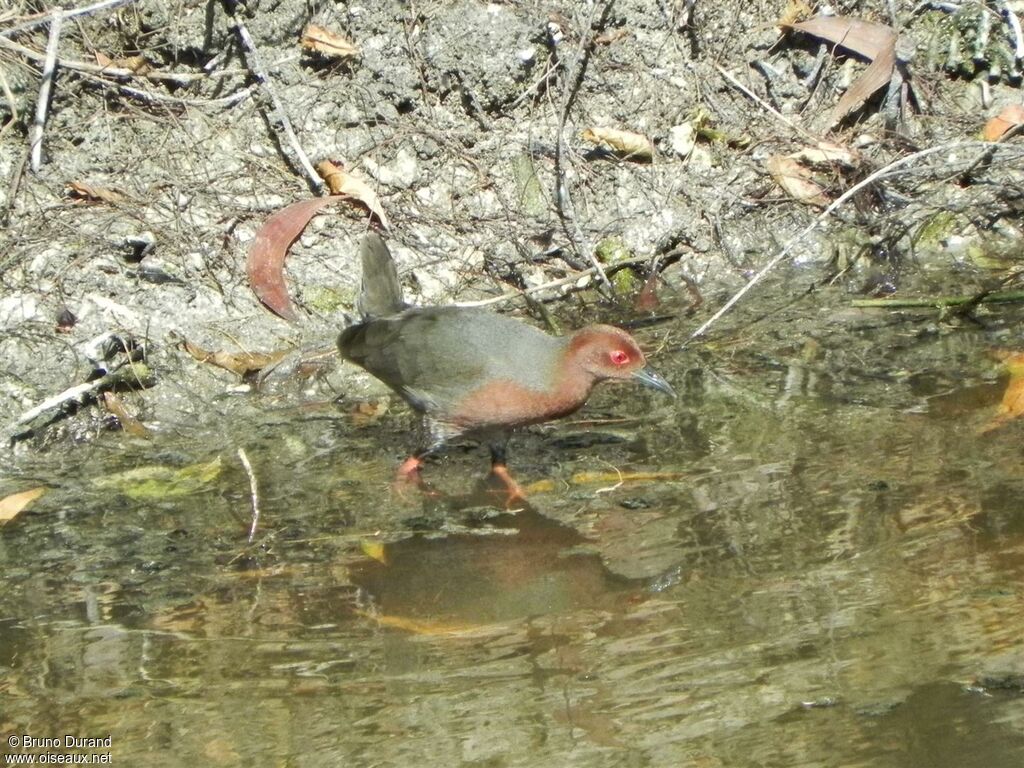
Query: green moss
x=326, y=300
x=938, y=228
x=528, y=189
x=160, y=482
x=611, y=251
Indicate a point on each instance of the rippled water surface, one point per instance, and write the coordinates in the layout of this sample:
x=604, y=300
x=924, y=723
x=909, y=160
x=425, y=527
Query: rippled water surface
x=813, y=557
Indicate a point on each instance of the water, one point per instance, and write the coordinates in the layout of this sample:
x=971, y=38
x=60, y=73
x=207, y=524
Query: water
x=813, y=558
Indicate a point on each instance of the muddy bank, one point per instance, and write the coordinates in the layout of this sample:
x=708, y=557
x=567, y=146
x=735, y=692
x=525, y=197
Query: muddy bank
x=454, y=114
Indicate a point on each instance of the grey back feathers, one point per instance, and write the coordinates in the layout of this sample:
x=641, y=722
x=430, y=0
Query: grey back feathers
x=434, y=356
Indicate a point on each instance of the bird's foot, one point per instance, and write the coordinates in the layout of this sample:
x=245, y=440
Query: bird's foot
x=515, y=498
x=409, y=476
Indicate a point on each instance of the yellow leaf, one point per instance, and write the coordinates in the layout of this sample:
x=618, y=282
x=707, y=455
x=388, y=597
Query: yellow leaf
x=11, y=506
x=430, y=627
x=158, y=481
x=1012, y=405
x=375, y=551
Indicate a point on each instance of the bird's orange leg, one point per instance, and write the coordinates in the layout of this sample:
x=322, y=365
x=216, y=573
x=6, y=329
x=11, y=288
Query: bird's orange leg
x=499, y=468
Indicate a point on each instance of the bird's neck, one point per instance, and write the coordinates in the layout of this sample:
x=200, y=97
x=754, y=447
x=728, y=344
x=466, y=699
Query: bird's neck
x=572, y=385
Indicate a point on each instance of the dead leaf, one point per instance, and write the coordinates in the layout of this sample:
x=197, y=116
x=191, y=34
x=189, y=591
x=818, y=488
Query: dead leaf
x=623, y=143
x=12, y=506
x=795, y=10
x=269, y=249
x=158, y=481
x=430, y=627
x=648, y=300
x=1010, y=117
x=368, y=412
x=82, y=191
x=136, y=64
x=1012, y=405
x=591, y=478
x=375, y=550
x=875, y=42
x=827, y=154
x=340, y=182
x=265, y=261
x=327, y=43
x=128, y=422
x=240, y=363
x=611, y=36
x=796, y=180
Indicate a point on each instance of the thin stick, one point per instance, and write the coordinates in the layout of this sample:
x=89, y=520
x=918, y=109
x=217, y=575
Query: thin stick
x=150, y=97
x=938, y=302
x=764, y=104
x=17, y=171
x=252, y=61
x=839, y=201
x=11, y=104
x=566, y=209
x=43, y=104
x=130, y=375
x=551, y=284
x=68, y=14
x=182, y=78
x=254, y=492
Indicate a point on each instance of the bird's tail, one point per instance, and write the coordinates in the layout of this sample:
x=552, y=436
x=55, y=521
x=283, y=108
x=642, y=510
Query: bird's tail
x=380, y=294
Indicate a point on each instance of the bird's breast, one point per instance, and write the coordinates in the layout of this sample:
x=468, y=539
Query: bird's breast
x=506, y=403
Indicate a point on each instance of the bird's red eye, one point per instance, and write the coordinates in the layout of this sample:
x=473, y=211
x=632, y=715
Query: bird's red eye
x=619, y=357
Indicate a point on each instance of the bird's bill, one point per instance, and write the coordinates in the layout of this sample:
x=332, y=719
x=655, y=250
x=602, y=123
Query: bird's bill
x=649, y=378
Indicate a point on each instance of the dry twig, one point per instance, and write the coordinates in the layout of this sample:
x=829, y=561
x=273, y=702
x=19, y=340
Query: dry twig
x=35, y=135
x=566, y=210
x=65, y=14
x=254, y=492
x=764, y=105
x=252, y=61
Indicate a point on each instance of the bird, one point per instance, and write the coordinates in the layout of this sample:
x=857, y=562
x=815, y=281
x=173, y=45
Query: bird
x=472, y=372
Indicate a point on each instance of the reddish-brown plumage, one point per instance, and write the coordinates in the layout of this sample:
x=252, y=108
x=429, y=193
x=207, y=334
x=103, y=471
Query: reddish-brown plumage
x=469, y=370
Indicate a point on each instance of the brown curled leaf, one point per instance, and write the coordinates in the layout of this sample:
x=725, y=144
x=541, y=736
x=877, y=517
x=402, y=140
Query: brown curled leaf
x=327, y=43
x=240, y=363
x=796, y=180
x=265, y=262
x=12, y=506
x=80, y=190
x=127, y=420
x=341, y=182
x=1010, y=117
x=267, y=254
x=623, y=143
x=875, y=42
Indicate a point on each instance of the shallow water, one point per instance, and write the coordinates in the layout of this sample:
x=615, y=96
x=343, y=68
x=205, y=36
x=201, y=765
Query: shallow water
x=813, y=557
